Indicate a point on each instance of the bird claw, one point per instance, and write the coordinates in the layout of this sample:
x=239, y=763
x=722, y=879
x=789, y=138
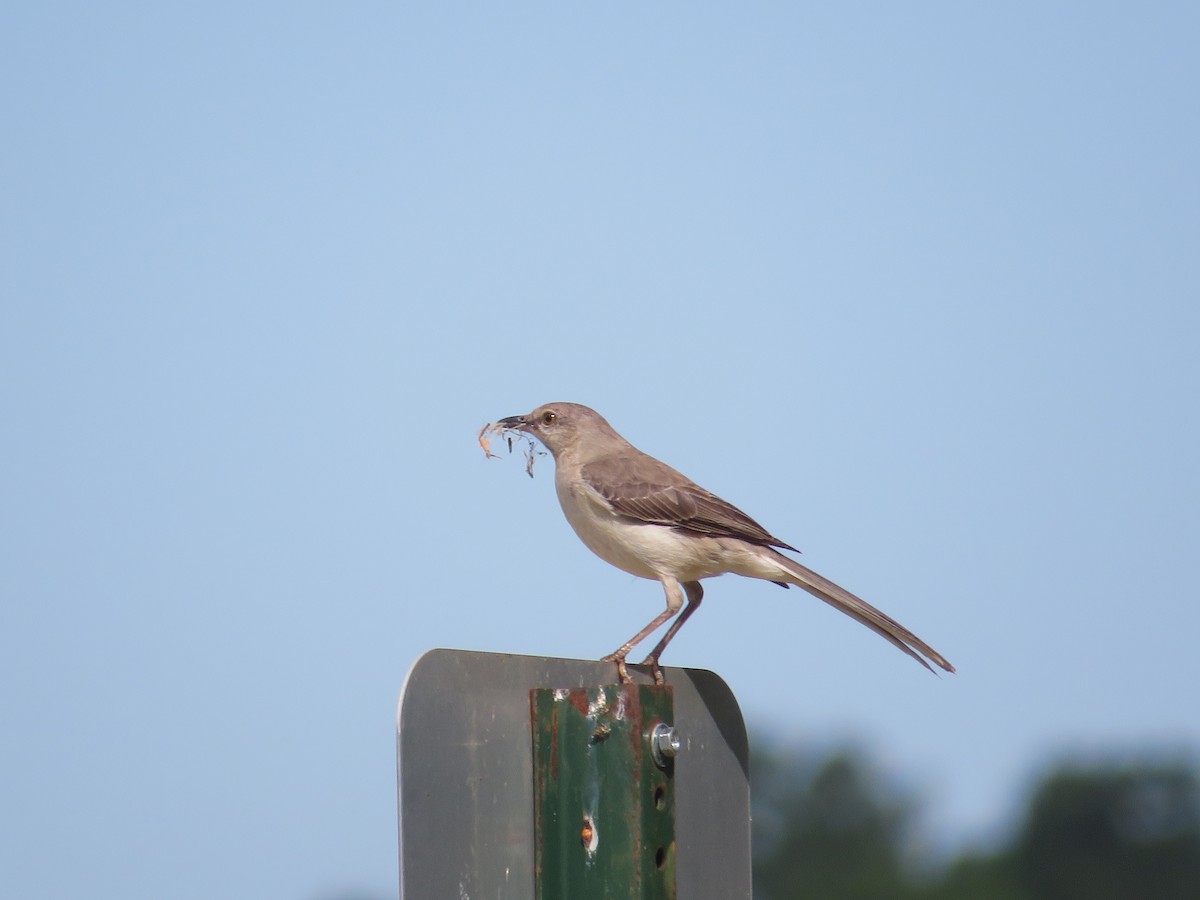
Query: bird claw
x=655, y=669
x=622, y=671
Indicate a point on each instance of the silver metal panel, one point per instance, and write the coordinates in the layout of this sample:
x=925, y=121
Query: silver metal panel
x=465, y=775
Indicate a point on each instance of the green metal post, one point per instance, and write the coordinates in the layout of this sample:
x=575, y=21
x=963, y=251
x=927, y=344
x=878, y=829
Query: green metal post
x=604, y=792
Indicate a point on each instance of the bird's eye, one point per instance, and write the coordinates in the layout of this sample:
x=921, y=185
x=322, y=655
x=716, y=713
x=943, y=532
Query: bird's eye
x=548, y=417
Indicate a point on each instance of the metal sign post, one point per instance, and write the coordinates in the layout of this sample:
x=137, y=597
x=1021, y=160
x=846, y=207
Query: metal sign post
x=519, y=775
x=604, y=792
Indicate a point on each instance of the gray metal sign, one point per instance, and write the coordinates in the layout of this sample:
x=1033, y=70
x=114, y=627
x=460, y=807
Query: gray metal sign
x=465, y=776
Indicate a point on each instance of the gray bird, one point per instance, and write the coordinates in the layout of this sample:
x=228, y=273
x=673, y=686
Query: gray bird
x=644, y=517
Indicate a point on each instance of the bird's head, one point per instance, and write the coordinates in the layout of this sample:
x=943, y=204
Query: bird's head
x=559, y=426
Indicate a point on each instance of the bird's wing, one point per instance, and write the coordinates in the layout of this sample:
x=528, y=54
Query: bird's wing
x=649, y=490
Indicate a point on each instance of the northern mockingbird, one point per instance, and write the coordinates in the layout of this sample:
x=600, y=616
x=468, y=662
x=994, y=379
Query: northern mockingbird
x=644, y=517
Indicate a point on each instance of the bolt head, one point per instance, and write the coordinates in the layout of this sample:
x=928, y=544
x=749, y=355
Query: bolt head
x=664, y=743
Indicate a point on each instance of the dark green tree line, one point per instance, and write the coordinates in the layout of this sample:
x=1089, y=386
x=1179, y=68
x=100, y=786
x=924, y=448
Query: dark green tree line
x=836, y=829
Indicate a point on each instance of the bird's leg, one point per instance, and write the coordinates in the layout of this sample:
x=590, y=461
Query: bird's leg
x=695, y=594
x=674, y=604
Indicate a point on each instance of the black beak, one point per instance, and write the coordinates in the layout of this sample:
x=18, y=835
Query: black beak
x=517, y=422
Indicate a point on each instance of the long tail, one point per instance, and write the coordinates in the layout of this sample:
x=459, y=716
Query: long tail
x=862, y=611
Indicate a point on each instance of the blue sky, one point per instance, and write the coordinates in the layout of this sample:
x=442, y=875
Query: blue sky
x=916, y=287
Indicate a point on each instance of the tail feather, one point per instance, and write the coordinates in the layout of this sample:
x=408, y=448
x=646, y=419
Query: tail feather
x=862, y=611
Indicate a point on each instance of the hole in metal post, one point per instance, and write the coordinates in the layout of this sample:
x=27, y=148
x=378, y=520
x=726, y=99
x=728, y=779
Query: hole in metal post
x=660, y=857
x=588, y=836
x=660, y=797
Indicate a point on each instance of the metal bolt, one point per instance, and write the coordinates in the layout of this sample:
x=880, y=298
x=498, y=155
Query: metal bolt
x=664, y=743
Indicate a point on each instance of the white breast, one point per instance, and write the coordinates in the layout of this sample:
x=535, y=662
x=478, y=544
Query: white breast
x=645, y=550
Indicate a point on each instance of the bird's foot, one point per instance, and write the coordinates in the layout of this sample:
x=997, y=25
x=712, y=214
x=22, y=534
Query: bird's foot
x=622, y=671
x=655, y=669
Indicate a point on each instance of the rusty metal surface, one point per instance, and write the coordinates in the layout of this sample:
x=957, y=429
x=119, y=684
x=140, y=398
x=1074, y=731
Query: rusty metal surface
x=604, y=801
x=465, y=775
